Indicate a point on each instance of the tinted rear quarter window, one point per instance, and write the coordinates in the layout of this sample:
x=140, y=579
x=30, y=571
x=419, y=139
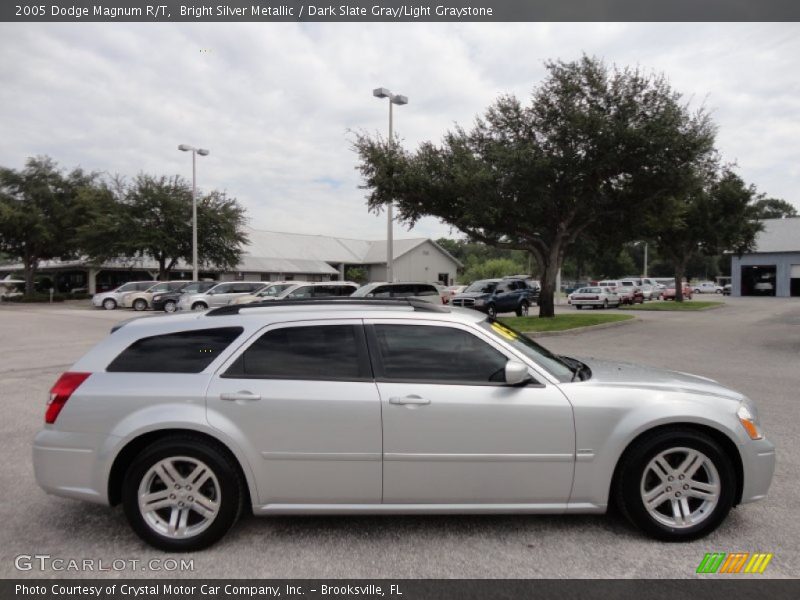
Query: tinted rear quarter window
x=181, y=352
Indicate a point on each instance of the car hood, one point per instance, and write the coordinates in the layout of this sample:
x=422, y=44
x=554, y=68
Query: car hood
x=632, y=375
x=472, y=295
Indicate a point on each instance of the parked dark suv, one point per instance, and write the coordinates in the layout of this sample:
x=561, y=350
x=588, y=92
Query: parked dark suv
x=494, y=296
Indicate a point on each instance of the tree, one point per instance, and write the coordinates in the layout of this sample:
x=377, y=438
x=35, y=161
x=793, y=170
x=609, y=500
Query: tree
x=152, y=216
x=37, y=213
x=596, y=151
x=356, y=274
x=774, y=208
x=716, y=214
x=494, y=267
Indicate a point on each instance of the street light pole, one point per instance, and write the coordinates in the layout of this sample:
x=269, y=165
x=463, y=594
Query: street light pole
x=399, y=100
x=195, y=152
x=645, y=259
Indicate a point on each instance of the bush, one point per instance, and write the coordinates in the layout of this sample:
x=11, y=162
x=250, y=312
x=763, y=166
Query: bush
x=35, y=298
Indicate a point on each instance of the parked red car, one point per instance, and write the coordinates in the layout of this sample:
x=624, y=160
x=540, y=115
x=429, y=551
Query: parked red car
x=669, y=292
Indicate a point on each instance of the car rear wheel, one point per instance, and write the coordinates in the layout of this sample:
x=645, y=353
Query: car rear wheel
x=199, y=306
x=605, y=303
x=522, y=309
x=140, y=304
x=182, y=494
x=170, y=306
x=109, y=304
x=578, y=306
x=676, y=485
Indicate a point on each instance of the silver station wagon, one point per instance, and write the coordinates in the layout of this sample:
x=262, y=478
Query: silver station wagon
x=385, y=406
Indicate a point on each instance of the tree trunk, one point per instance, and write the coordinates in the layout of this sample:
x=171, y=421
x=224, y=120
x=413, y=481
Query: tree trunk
x=162, y=268
x=679, y=270
x=546, y=301
x=549, y=265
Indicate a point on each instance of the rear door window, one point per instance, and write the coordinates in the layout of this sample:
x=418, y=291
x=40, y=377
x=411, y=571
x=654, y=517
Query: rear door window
x=180, y=352
x=314, y=352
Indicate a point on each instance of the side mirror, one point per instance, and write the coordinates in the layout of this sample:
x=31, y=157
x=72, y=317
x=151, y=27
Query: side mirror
x=517, y=373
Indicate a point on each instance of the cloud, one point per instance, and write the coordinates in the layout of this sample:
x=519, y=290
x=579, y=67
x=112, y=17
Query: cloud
x=274, y=102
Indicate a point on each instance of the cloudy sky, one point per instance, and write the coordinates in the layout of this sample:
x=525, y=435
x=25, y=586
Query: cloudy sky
x=275, y=102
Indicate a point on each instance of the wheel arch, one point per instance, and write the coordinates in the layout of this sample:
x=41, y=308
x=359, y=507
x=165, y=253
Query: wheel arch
x=133, y=447
x=728, y=445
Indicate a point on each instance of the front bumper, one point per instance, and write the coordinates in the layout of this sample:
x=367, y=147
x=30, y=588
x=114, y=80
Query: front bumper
x=72, y=464
x=758, y=466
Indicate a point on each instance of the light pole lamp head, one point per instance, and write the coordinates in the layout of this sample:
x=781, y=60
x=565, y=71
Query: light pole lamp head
x=202, y=152
x=399, y=99
x=381, y=93
x=185, y=148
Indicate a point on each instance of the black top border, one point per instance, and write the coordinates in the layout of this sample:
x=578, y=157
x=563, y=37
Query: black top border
x=397, y=11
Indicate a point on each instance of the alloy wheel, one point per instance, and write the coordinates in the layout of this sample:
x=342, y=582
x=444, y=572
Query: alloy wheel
x=680, y=487
x=179, y=497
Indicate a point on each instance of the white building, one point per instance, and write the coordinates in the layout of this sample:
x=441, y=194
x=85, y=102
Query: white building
x=271, y=256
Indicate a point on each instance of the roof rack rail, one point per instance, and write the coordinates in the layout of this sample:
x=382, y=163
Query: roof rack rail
x=416, y=304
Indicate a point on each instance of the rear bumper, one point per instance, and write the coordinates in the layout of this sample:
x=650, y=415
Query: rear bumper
x=72, y=464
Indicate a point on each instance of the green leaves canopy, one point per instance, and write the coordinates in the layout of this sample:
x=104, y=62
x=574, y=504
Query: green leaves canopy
x=594, y=153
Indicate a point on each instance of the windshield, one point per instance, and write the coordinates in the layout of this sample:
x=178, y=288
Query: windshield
x=539, y=354
x=484, y=286
x=128, y=287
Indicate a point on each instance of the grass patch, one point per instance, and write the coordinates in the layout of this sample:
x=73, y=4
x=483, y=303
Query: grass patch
x=672, y=305
x=562, y=322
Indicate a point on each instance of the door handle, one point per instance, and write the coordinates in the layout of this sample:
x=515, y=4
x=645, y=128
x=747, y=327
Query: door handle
x=412, y=400
x=240, y=395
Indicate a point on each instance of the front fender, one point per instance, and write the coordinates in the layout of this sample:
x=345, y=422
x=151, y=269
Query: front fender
x=605, y=426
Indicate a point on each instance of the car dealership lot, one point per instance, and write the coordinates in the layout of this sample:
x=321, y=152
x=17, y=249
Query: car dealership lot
x=751, y=344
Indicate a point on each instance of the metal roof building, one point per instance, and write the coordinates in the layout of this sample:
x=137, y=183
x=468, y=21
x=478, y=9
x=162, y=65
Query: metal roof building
x=270, y=256
x=773, y=268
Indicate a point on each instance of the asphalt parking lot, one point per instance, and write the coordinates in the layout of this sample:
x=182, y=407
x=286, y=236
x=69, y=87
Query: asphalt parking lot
x=751, y=344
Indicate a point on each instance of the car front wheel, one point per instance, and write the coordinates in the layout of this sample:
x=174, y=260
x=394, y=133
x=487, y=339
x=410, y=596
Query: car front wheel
x=170, y=306
x=182, y=494
x=676, y=485
x=199, y=306
x=491, y=311
x=109, y=304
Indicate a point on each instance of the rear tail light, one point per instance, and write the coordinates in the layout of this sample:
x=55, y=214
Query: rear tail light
x=60, y=393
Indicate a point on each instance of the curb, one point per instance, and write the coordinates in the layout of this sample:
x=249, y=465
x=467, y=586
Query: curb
x=533, y=334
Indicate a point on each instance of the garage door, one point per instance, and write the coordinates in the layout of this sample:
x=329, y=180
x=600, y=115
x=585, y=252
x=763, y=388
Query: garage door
x=794, y=282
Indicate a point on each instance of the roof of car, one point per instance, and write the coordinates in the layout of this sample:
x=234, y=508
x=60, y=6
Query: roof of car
x=299, y=309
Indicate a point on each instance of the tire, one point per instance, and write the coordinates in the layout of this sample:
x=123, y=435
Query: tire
x=199, y=306
x=139, y=304
x=522, y=309
x=222, y=494
x=109, y=304
x=637, y=477
x=605, y=303
x=170, y=306
x=578, y=306
x=491, y=310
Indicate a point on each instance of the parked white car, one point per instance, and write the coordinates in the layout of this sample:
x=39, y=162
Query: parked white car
x=113, y=298
x=706, y=287
x=219, y=295
x=596, y=297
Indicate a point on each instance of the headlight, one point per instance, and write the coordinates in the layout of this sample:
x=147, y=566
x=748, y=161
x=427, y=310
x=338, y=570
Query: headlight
x=749, y=422
x=157, y=297
x=480, y=302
